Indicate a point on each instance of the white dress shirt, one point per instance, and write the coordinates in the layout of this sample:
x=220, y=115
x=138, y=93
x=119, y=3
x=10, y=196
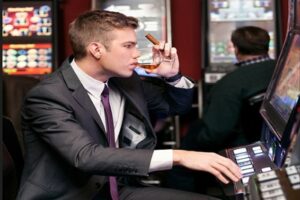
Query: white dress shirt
x=161, y=159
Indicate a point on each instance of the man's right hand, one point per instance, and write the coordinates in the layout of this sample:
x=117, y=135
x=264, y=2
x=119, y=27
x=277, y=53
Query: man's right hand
x=221, y=167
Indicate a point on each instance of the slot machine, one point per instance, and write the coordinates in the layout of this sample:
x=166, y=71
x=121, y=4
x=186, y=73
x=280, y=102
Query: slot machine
x=29, y=45
x=279, y=111
x=220, y=19
x=282, y=183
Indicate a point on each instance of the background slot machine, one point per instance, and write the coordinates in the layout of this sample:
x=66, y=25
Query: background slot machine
x=29, y=37
x=153, y=15
x=221, y=17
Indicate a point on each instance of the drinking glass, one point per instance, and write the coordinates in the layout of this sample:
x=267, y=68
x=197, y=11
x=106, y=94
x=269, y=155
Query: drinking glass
x=150, y=59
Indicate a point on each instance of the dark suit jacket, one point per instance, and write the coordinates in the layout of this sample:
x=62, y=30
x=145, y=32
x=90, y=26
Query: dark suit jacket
x=67, y=154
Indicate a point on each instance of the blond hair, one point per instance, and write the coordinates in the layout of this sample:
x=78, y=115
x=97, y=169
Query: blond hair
x=96, y=25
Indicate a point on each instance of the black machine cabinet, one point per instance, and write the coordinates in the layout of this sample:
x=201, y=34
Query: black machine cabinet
x=279, y=184
x=224, y=16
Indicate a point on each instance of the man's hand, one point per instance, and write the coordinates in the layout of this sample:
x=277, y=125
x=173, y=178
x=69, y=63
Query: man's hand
x=221, y=167
x=169, y=65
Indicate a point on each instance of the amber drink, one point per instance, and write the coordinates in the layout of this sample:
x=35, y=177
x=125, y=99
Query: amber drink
x=147, y=66
x=148, y=59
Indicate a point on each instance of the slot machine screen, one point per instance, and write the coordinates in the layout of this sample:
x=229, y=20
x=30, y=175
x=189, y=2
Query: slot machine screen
x=28, y=37
x=224, y=16
x=284, y=89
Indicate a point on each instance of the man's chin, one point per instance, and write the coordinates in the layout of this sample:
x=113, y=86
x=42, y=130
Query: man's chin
x=126, y=75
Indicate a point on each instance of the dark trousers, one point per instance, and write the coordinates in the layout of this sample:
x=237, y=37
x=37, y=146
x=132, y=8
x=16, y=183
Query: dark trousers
x=158, y=193
x=151, y=193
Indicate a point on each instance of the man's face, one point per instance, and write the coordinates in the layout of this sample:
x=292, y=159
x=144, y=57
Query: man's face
x=120, y=58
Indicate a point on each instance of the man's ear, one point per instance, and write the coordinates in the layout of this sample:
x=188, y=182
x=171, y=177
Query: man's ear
x=236, y=50
x=95, y=49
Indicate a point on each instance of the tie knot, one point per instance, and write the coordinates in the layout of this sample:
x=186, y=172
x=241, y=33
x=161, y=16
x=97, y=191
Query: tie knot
x=105, y=91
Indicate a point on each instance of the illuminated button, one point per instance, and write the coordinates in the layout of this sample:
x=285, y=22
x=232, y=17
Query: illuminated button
x=296, y=187
x=240, y=150
x=259, y=154
x=247, y=171
x=266, y=169
x=244, y=163
x=270, y=185
x=256, y=148
x=294, y=179
x=242, y=156
x=245, y=180
x=291, y=170
x=272, y=193
x=266, y=176
x=242, y=160
x=246, y=167
x=277, y=198
x=258, y=151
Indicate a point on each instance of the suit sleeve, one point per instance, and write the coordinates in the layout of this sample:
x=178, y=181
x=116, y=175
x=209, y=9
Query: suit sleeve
x=164, y=99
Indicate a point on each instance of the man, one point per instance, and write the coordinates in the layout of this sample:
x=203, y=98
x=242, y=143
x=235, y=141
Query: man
x=71, y=153
x=220, y=127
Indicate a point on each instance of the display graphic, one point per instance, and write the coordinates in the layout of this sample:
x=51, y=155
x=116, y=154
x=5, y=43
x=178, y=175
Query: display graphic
x=26, y=59
x=28, y=33
x=27, y=21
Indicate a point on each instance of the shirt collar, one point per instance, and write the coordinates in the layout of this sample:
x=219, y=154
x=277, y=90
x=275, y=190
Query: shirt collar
x=92, y=85
x=253, y=60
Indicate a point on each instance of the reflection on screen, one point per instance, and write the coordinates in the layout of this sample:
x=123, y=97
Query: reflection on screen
x=287, y=89
x=19, y=21
x=227, y=15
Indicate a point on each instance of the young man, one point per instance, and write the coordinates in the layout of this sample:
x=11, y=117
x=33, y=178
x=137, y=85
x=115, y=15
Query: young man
x=220, y=127
x=71, y=150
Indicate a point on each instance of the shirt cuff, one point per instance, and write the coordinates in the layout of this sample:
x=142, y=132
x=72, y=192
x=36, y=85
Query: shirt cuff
x=183, y=82
x=161, y=160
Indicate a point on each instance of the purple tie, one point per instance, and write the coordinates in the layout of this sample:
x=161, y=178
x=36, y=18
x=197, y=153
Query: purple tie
x=111, y=138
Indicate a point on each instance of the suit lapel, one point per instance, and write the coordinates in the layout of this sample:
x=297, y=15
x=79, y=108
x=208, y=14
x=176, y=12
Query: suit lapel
x=130, y=93
x=129, y=90
x=79, y=93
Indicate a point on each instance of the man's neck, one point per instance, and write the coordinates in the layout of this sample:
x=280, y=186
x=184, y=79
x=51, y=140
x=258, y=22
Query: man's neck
x=91, y=69
x=242, y=58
